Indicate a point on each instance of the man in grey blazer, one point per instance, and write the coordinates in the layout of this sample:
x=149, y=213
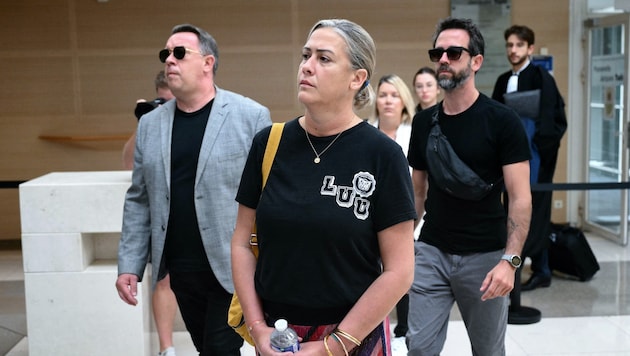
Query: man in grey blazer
x=188, y=160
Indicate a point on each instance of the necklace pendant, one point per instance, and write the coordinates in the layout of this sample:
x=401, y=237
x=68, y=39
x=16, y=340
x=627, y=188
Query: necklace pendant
x=316, y=160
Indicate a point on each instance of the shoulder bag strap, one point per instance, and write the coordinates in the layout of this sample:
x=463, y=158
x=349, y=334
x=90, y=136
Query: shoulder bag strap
x=436, y=114
x=270, y=154
x=270, y=150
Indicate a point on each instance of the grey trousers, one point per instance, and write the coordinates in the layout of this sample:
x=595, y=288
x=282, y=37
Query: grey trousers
x=442, y=279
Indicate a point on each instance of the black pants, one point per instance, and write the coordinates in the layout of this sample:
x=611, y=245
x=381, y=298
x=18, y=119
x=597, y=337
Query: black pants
x=204, y=305
x=540, y=224
x=402, y=313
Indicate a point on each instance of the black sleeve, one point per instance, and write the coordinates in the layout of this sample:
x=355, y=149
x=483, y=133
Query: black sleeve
x=499, y=89
x=552, y=120
x=418, y=139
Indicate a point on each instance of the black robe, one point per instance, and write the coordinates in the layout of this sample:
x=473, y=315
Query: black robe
x=551, y=124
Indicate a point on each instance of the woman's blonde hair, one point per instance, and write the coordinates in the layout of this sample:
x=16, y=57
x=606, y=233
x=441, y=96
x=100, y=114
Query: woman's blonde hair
x=361, y=51
x=409, y=105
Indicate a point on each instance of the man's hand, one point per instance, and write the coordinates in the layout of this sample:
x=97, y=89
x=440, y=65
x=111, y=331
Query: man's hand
x=499, y=281
x=127, y=286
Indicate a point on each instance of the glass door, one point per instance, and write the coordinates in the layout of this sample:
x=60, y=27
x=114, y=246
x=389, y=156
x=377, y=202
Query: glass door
x=607, y=122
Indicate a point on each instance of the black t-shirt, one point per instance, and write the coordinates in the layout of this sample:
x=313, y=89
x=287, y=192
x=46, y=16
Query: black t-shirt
x=317, y=223
x=184, y=247
x=486, y=136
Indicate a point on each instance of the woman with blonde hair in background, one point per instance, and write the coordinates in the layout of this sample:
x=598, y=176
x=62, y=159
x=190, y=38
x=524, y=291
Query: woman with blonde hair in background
x=392, y=115
x=394, y=109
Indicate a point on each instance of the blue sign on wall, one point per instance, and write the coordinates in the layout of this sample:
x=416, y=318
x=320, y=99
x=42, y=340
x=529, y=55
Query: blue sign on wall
x=544, y=61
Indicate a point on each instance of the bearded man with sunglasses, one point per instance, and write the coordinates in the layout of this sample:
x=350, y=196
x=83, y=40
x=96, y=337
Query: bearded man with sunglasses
x=468, y=250
x=180, y=207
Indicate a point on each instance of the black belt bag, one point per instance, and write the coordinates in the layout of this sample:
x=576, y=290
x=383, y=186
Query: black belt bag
x=449, y=172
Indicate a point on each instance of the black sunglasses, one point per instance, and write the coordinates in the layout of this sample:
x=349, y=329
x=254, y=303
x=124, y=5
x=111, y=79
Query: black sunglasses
x=178, y=52
x=453, y=53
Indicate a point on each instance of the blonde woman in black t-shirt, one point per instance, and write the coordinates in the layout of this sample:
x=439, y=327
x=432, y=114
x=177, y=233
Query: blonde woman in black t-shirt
x=335, y=219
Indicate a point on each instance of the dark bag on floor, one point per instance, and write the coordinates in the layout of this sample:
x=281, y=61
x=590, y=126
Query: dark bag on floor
x=570, y=253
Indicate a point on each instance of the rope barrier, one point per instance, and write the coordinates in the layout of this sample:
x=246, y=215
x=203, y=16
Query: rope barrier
x=538, y=187
x=10, y=184
x=542, y=187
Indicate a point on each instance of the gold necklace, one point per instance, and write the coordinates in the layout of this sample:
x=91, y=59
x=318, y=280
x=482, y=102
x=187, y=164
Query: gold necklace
x=317, y=158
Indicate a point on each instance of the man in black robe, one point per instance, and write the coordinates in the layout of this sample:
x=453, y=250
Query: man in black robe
x=547, y=131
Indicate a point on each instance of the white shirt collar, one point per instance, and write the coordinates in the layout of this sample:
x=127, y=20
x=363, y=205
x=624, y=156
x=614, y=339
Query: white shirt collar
x=522, y=68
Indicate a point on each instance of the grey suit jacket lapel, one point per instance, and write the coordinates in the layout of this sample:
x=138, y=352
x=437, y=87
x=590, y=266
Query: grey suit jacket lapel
x=217, y=117
x=166, y=129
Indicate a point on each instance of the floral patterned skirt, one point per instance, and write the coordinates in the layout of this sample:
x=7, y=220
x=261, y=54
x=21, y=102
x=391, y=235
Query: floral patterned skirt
x=377, y=343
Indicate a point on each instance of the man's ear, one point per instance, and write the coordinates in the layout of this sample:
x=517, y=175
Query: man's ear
x=476, y=62
x=209, y=62
x=530, y=50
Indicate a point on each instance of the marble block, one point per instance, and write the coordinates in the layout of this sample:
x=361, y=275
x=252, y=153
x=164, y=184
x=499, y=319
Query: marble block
x=67, y=252
x=74, y=202
x=72, y=313
x=58, y=252
x=71, y=224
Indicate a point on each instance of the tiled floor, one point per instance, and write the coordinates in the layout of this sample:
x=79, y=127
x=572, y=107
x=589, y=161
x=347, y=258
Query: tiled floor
x=579, y=318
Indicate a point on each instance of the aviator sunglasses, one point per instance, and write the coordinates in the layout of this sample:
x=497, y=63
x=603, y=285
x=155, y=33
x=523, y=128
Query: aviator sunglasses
x=453, y=53
x=178, y=52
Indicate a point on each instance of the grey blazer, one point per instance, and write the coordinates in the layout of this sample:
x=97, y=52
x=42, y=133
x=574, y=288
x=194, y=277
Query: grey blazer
x=233, y=122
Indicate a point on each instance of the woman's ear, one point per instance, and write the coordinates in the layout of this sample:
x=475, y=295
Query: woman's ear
x=360, y=76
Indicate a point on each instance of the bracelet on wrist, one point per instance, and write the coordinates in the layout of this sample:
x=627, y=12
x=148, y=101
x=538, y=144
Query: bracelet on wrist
x=348, y=337
x=328, y=352
x=343, y=346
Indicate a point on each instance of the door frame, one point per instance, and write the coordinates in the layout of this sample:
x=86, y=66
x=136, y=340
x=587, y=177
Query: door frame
x=621, y=236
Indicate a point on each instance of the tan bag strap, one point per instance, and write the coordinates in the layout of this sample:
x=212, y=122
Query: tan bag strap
x=270, y=151
x=270, y=154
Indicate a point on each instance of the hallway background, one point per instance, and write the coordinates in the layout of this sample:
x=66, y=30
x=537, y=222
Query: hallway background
x=74, y=68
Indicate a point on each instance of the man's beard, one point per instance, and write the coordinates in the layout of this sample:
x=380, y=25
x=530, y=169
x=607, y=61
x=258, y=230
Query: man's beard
x=518, y=62
x=457, y=79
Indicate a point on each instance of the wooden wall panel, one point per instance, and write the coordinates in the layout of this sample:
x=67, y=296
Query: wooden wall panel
x=265, y=77
x=108, y=82
x=27, y=156
x=37, y=85
x=141, y=25
x=34, y=26
x=76, y=67
x=10, y=212
x=404, y=21
x=404, y=62
x=145, y=23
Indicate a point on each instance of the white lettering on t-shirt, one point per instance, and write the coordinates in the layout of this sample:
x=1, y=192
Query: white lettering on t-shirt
x=329, y=187
x=355, y=196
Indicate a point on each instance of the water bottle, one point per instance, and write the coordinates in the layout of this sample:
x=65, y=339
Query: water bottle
x=283, y=338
